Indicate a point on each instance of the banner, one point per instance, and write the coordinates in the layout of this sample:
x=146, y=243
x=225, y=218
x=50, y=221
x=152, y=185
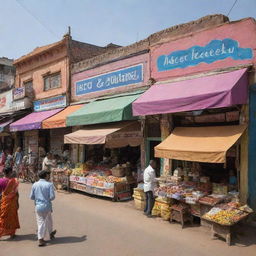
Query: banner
x=50, y=103
x=6, y=101
x=18, y=93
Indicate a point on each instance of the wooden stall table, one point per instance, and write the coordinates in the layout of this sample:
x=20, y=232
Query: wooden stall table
x=180, y=214
x=224, y=231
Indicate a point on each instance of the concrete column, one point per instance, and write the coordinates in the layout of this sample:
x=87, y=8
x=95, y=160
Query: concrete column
x=165, y=132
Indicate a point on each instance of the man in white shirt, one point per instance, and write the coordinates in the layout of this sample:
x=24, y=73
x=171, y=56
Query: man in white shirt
x=150, y=183
x=47, y=162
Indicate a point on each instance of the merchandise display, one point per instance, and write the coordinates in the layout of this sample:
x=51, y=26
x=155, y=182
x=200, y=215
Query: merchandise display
x=100, y=181
x=227, y=214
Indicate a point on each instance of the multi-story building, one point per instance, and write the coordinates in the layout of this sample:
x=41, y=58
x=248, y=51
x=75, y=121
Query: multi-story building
x=44, y=75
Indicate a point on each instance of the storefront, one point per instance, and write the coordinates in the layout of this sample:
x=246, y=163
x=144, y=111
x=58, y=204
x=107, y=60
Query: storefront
x=36, y=142
x=11, y=109
x=106, y=137
x=201, y=93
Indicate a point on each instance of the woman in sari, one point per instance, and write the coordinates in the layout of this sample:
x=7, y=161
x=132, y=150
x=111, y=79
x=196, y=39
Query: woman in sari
x=9, y=220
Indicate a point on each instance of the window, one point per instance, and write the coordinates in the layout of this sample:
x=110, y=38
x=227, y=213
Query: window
x=28, y=84
x=29, y=90
x=52, y=81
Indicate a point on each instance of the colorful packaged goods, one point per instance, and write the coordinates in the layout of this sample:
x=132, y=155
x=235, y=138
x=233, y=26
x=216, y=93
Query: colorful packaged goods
x=226, y=214
x=220, y=189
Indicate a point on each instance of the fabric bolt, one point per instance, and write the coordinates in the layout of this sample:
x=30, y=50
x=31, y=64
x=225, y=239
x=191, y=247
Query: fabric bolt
x=104, y=111
x=42, y=193
x=33, y=120
x=200, y=144
x=59, y=120
x=215, y=91
x=44, y=224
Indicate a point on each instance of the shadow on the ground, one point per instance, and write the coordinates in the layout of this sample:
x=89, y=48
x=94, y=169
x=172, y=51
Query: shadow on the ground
x=31, y=237
x=68, y=240
x=244, y=236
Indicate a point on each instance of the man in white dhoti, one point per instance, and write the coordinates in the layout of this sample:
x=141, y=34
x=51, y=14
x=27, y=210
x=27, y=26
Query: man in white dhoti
x=43, y=194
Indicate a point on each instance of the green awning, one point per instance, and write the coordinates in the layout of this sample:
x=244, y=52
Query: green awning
x=104, y=111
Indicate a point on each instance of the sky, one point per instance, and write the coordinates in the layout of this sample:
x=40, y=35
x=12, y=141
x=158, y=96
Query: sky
x=27, y=24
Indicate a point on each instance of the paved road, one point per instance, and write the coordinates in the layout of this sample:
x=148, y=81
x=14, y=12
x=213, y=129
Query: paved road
x=96, y=227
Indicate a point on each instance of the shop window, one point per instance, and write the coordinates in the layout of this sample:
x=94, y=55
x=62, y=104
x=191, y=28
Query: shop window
x=52, y=81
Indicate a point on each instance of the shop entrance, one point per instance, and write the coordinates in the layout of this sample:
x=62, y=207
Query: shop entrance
x=151, y=142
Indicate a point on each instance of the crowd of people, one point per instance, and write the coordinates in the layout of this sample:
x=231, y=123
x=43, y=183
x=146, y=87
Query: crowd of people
x=12, y=170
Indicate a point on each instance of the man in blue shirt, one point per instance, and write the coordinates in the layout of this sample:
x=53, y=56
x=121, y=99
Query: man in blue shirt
x=43, y=194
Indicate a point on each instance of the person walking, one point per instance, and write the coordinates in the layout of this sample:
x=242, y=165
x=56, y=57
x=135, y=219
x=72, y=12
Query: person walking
x=42, y=193
x=9, y=220
x=150, y=183
x=17, y=158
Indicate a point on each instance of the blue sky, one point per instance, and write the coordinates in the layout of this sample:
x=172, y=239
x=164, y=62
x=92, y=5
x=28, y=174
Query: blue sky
x=26, y=24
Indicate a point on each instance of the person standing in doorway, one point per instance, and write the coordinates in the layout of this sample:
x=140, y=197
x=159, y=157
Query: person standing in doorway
x=43, y=194
x=48, y=162
x=150, y=183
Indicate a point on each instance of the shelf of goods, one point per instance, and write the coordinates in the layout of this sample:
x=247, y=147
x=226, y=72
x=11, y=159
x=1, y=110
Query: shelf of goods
x=195, y=195
x=100, y=181
x=161, y=207
x=60, y=177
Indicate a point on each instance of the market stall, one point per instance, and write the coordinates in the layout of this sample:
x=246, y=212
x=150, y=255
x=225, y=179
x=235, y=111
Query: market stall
x=108, y=153
x=205, y=181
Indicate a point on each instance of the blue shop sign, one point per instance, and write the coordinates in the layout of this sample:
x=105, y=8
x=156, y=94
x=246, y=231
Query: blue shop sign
x=121, y=77
x=213, y=51
x=50, y=103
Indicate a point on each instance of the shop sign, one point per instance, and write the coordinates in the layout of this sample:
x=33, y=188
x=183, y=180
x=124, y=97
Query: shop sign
x=50, y=103
x=118, y=78
x=215, y=50
x=125, y=135
x=21, y=104
x=6, y=101
x=18, y=93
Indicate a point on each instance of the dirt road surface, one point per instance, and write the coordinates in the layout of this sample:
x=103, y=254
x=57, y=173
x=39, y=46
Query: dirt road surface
x=97, y=227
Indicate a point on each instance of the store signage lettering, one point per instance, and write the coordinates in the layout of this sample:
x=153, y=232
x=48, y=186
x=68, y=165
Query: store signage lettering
x=122, y=77
x=18, y=93
x=213, y=51
x=51, y=103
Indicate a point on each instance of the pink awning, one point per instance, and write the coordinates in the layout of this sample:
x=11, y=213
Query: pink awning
x=216, y=91
x=33, y=120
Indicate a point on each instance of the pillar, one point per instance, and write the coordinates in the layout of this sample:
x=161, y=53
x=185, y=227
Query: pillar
x=165, y=132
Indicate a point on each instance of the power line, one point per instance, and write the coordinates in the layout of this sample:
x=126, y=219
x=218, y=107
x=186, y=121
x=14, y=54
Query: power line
x=232, y=7
x=40, y=22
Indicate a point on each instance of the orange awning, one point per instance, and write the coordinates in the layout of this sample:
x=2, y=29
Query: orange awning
x=200, y=144
x=59, y=120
